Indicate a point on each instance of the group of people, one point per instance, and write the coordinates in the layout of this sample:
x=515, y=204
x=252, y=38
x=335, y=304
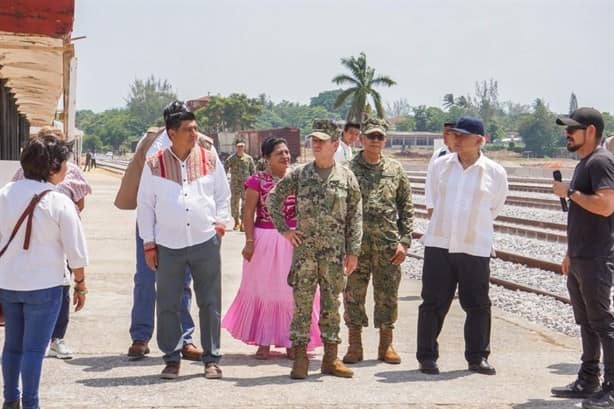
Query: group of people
x=312, y=233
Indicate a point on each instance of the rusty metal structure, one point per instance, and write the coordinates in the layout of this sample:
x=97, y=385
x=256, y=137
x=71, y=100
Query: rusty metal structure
x=36, y=62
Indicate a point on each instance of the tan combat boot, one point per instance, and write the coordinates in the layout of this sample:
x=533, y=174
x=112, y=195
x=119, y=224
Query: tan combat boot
x=386, y=352
x=333, y=366
x=354, y=353
x=237, y=225
x=301, y=363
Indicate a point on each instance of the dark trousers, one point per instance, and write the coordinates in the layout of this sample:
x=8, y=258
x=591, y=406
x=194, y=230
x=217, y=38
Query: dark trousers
x=589, y=283
x=441, y=272
x=59, y=331
x=205, y=264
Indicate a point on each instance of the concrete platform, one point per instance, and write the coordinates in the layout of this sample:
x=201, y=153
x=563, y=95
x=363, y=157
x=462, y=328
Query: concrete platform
x=529, y=359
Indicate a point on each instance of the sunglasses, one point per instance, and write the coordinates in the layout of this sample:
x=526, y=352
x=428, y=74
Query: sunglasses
x=572, y=129
x=375, y=136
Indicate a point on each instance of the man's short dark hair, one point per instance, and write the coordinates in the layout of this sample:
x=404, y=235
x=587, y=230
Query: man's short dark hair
x=43, y=156
x=449, y=124
x=349, y=125
x=174, y=113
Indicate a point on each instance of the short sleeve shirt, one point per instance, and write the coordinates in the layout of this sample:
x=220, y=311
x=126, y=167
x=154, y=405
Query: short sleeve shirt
x=590, y=235
x=263, y=183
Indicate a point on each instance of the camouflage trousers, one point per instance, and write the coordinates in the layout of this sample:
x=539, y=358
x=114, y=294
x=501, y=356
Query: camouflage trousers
x=237, y=199
x=305, y=275
x=386, y=279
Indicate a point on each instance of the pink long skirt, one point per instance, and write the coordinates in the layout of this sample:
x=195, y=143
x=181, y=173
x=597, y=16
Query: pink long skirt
x=262, y=309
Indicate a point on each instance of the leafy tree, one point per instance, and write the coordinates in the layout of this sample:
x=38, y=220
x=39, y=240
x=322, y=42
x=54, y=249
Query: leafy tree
x=146, y=101
x=573, y=103
x=539, y=131
x=92, y=142
x=326, y=100
x=398, y=108
x=405, y=124
x=429, y=119
x=362, y=80
x=229, y=114
x=608, y=120
x=487, y=101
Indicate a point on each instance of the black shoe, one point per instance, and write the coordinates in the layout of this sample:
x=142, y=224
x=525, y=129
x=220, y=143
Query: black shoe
x=429, y=367
x=482, y=367
x=578, y=389
x=603, y=399
x=11, y=405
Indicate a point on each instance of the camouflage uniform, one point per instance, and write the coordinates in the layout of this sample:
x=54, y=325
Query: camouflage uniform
x=261, y=165
x=240, y=168
x=387, y=220
x=329, y=213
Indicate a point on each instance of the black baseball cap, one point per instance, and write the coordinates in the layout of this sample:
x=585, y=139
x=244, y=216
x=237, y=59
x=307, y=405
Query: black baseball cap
x=583, y=117
x=469, y=125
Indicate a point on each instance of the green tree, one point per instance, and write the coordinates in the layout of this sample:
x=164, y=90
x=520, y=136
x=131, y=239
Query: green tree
x=146, y=101
x=608, y=120
x=539, y=131
x=362, y=80
x=573, y=103
x=229, y=114
x=327, y=99
x=405, y=124
x=428, y=119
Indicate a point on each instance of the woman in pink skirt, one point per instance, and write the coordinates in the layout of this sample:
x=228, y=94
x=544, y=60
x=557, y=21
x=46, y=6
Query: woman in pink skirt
x=262, y=309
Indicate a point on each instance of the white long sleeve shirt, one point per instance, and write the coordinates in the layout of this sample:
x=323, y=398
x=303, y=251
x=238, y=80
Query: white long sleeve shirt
x=57, y=236
x=343, y=154
x=465, y=204
x=179, y=202
x=428, y=198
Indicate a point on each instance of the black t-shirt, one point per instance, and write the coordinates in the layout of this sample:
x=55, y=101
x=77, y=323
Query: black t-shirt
x=590, y=235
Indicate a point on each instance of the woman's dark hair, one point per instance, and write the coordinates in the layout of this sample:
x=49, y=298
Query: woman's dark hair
x=43, y=156
x=268, y=146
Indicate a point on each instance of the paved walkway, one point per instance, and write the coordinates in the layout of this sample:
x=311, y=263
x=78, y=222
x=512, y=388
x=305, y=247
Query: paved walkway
x=529, y=359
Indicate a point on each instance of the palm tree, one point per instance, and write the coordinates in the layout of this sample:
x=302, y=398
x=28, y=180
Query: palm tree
x=362, y=80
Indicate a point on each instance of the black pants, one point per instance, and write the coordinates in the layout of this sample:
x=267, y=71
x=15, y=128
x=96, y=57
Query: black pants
x=441, y=272
x=589, y=283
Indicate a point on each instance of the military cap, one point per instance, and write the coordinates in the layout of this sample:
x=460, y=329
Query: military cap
x=239, y=141
x=324, y=129
x=375, y=125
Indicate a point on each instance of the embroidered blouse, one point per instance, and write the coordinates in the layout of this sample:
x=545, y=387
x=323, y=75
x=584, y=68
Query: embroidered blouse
x=263, y=183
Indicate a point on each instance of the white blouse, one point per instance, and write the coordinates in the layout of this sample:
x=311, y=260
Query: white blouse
x=57, y=236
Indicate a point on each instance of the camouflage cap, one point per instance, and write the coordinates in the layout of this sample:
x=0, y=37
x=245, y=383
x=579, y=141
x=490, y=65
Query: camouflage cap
x=324, y=129
x=375, y=125
x=239, y=142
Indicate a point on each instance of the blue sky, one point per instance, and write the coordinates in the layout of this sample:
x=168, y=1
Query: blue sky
x=291, y=49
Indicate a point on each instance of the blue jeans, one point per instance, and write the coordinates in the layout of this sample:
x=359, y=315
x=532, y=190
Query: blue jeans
x=144, y=301
x=30, y=318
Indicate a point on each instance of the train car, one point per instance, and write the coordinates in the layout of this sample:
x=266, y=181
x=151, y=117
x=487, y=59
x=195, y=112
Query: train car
x=254, y=138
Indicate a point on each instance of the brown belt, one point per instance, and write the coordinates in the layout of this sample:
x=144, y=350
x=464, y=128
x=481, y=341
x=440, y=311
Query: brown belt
x=27, y=213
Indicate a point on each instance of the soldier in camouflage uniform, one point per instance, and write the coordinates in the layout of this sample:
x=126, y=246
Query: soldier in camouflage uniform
x=326, y=244
x=240, y=166
x=387, y=222
x=261, y=164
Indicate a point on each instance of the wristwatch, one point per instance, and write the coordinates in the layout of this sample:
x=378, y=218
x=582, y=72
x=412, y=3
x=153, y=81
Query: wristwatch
x=570, y=192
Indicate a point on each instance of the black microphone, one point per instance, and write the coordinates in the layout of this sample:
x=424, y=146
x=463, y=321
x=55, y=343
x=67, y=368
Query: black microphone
x=559, y=178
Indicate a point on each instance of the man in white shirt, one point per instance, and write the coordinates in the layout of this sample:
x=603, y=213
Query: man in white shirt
x=468, y=191
x=448, y=147
x=182, y=210
x=351, y=132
